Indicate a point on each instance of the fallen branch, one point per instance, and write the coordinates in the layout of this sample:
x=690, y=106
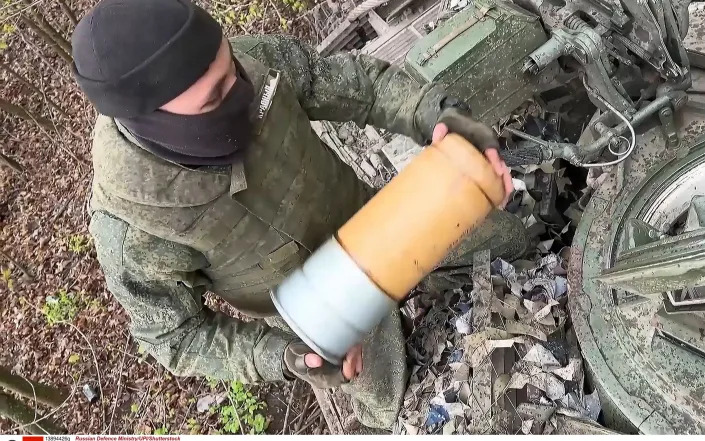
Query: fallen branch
x=11, y=163
x=6, y=67
x=68, y=12
x=25, y=415
x=21, y=112
x=55, y=35
x=45, y=394
x=17, y=265
x=21, y=428
x=46, y=37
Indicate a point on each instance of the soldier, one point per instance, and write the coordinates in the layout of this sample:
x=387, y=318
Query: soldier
x=208, y=176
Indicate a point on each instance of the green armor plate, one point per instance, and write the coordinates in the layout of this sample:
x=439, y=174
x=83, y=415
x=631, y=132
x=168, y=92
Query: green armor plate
x=479, y=54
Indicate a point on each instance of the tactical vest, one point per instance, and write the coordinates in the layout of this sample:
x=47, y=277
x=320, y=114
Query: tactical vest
x=296, y=193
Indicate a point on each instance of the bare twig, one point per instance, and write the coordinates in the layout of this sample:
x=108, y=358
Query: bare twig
x=188, y=411
x=45, y=126
x=288, y=407
x=17, y=265
x=163, y=410
x=237, y=415
x=309, y=422
x=63, y=142
x=303, y=413
x=140, y=360
x=303, y=16
x=6, y=67
x=21, y=413
x=95, y=359
x=117, y=394
x=47, y=63
x=11, y=6
x=61, y=210
x=141, y=406
x=261, y=29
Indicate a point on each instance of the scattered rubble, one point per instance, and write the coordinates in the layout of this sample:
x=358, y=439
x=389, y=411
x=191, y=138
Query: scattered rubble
x=499, y=359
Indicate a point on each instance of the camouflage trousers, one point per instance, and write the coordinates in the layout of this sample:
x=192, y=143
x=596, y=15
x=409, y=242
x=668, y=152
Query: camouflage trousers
x=378, y=392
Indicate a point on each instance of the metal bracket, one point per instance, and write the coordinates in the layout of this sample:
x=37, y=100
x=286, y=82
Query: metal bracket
x=585, y=45
x=668, y=124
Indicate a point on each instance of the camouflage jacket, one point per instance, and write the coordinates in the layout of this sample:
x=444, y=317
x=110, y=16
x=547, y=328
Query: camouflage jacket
x=166, y=234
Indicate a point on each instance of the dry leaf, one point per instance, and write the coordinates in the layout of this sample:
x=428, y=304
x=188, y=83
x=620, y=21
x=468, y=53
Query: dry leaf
x=515, y=328
x=542, y=357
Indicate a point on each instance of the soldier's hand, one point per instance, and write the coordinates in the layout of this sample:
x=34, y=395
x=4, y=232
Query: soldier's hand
x=305, y=364
x=456, y=115
x=492, y=155
x=352, y=365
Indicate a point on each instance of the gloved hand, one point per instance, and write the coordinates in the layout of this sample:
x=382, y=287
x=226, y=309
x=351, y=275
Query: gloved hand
x=456, y=115
x=438, y=108
x=456, y=119
x=300, y=361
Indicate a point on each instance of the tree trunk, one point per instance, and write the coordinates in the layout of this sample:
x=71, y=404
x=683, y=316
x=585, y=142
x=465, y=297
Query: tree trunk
x=49, y=395
x=24, y=415
x=68, y=11
x=29, y=22
x=35, y=89
x=20, y=112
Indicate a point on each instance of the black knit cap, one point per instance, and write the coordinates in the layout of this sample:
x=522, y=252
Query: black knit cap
x=133, y=56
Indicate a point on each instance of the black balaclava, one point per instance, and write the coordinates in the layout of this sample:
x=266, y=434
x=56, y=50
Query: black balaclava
x=133, y=56
x=212, y=138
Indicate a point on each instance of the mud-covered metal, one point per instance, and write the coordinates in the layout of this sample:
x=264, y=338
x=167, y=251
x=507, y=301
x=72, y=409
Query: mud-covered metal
x=646, y=360
x=627, y=54
x=585, y=45
x=627, y=26
x=668, y=264
x=479, y=54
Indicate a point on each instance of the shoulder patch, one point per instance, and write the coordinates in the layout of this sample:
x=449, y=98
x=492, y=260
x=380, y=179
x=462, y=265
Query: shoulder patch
x=266, y=96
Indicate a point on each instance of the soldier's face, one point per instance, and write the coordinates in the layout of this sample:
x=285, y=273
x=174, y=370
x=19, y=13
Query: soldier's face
x=208, y=92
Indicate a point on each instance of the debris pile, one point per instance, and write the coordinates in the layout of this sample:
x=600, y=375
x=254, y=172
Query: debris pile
x=500, y=358
x=360, y=148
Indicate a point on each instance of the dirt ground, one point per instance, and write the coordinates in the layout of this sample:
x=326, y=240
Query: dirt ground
x=46, y=249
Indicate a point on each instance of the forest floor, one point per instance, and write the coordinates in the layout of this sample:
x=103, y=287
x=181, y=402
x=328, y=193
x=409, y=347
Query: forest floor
x=49, y=268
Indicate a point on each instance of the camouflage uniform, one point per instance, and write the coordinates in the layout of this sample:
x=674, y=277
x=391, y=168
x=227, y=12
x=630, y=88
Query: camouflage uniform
x=165, y=234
